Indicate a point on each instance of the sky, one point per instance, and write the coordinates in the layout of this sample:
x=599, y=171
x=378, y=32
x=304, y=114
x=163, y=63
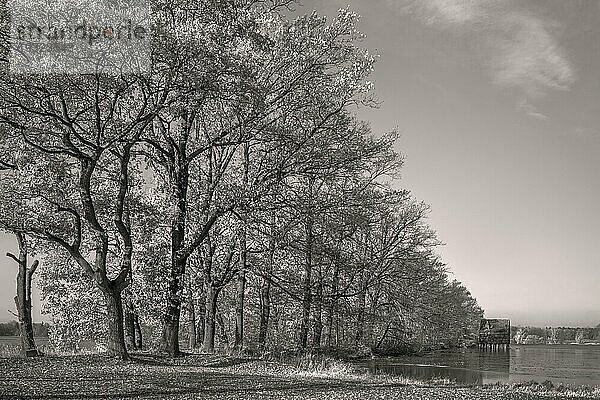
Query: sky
x=498, y=105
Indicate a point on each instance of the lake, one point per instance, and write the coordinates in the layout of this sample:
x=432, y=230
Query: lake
x=572, y=365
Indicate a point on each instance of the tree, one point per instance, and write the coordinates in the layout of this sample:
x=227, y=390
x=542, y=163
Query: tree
x=208, y=77
x=23, y=298
x=233, y=184
x=248, y=82
x=77, y=134
x=220, y=267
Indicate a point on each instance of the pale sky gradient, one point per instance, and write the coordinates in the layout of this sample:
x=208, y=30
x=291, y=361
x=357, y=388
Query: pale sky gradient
x=498, y=103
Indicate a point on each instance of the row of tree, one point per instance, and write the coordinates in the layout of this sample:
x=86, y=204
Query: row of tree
x=231, y=188
x=12, y=328
x=555, y=335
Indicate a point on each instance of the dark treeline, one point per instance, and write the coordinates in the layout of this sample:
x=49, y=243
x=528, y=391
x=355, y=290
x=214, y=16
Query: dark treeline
x=229, y=198
x=554, y=335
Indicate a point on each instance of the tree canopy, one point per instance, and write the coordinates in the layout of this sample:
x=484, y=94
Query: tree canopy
x=230, y=195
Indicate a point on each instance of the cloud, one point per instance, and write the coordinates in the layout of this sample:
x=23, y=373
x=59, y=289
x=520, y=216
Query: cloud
x=520, y=49
x=586, y=133
x=529, y=109
x=530, y=57
x=446, y=12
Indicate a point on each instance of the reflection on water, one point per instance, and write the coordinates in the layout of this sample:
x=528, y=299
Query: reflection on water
x=573, y=365
x=425, y=372
x=464, y=366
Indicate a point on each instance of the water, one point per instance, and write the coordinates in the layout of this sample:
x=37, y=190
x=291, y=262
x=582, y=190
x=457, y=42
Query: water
x=567, y=364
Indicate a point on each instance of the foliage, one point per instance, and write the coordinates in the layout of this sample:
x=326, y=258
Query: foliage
x=233, y=187
x=74, y=303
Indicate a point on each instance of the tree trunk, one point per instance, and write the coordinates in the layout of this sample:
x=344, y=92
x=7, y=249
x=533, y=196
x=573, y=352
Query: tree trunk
x=332, y=304
x=129, y=330
x=265, y=292
x=116, y=333
x=222, y=329
x=241, y=277
x=23, y=297
x=130, y=325
x=200, y=319
x=265, y=311
x=305, y=309
x=275, y=324
x=170, y=335
x=360, y=321
x=370, y=322
x=179, y=177
x=239, y=308
x=307, y=296
x=240, y=292
x=318, y=322
x=191, y=319
x=138, y=332
x=385, y=333
x=337, y=331
x=208, y=344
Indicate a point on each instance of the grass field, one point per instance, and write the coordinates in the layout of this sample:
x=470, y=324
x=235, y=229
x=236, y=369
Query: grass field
x=211, y=377
x=11, y=345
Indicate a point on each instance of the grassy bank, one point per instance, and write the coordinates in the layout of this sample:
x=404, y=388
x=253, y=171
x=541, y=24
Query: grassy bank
x=197, y=377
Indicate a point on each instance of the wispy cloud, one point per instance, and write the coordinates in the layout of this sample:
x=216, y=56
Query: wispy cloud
x=524, y=105
x=586, y=133
x=530, y=56
x=520, y=49
x=445, y=12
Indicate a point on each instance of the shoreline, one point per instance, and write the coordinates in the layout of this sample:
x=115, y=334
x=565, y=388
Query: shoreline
x=206, y=376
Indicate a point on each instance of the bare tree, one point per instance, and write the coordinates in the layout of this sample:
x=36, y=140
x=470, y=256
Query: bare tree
x=23, y=297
